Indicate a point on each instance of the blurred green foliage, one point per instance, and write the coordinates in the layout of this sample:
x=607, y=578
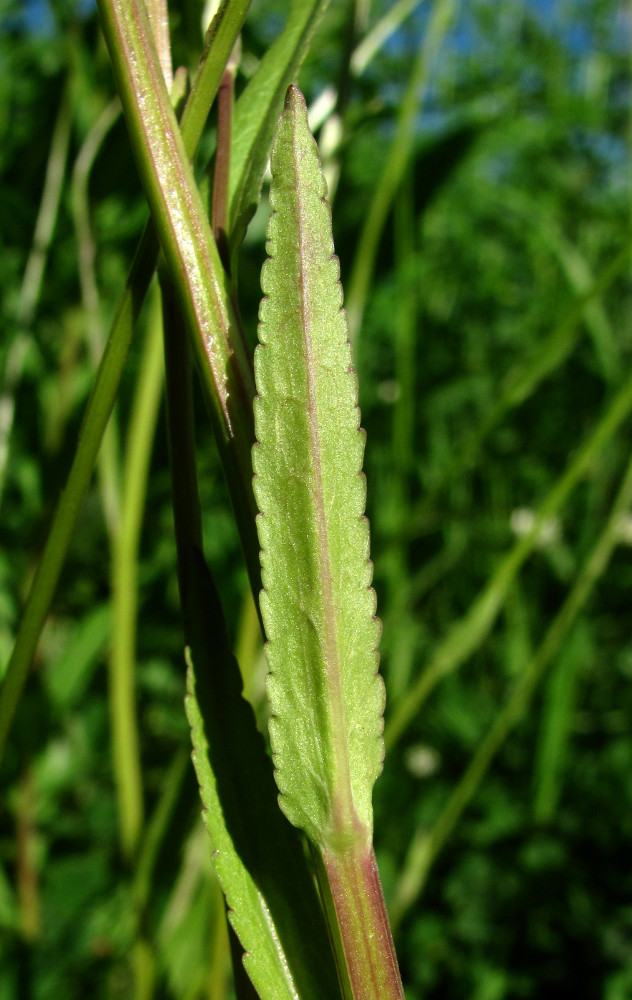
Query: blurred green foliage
x=495, y=336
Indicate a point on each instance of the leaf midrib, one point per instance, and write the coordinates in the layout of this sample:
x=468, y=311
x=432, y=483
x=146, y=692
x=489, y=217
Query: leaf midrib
x=344, y=813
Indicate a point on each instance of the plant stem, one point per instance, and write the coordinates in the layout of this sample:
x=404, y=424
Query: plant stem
x=379, y=34
x=158, y=825
x=125, y=741
x=225, y=98
x=358, y=922
x=108, y=461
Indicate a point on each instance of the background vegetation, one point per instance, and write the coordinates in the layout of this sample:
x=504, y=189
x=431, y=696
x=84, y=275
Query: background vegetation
x=479, y=166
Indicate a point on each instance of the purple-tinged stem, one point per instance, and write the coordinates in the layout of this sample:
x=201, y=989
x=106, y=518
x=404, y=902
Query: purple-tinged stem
x=359, y=925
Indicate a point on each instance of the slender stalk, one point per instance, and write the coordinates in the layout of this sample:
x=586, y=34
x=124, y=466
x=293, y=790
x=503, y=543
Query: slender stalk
x=225, y=99
x=557, y=716
x=122, y=696
x=467, y=634
x=380, y=33
x=67, y=511
x=142, y=957
x=125, y=741
x=358, y=921
x=156, y=829
x=86, y=252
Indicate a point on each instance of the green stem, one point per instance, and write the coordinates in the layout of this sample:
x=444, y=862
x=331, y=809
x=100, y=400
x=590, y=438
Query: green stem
x=108, y=467
x=125, y=740
x=143, y=966
x=67, y=511
x=379, y=34
x=156, y=828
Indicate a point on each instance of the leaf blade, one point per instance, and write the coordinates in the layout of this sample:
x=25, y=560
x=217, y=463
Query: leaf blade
x=272, y=902
x=325, y=693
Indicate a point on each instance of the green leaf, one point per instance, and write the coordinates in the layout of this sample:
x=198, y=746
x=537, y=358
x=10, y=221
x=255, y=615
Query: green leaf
x=190, y=250
x=317, y=605
x=273, y=906
x=258, y=109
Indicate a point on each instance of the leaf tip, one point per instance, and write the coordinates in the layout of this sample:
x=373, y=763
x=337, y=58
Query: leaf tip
x=294, y=98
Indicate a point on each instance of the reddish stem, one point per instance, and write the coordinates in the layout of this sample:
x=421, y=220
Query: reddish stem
x=359, y=924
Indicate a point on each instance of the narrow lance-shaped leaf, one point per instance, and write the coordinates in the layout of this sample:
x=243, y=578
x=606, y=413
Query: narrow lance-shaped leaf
x=272, y=903
x=317, y=604
x=189, y=249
